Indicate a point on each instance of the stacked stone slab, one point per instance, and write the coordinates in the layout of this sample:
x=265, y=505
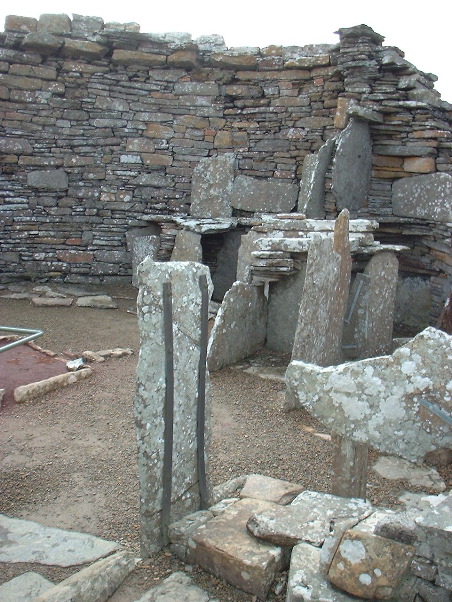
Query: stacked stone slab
x=341, y=549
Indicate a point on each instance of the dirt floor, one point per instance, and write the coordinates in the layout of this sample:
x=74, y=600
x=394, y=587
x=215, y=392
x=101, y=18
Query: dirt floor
x=69, y=459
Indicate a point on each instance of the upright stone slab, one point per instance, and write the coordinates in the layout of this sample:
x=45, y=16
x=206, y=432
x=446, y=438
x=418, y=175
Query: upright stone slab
x=151, y=388
x=426, y=197
x=312, y=187
x=143, y=242
x=263, y=195
x=372, y=299
x=318, y=338
x=211, y=187
x=240, y=326
x=187, y=247
x=352, y=166
x=226, y=270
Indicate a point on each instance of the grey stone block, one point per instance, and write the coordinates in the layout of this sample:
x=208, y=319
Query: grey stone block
x=426, y=197
x=263, y=195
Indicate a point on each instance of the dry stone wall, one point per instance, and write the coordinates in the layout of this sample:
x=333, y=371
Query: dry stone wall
x=101, y=127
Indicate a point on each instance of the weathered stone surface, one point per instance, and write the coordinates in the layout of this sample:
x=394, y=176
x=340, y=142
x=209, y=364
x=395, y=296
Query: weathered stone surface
x=312, y=188
x=263, y=195
x=95, y=583
x=370, y=325
x=244, y=256
x=50, y=301
x=46, y=43
x=99, y=301
x=373, y=399
x=51, y=179
x=24, y=588
x=58, y=24
x=143, y=242
x=34, y=390
x=151, y=391
x=22, y=24
x=434, y=523
x=418, y=476
x=283, y=311
x=310, y=518
x=352, y=166
x=134, y=57
x=369, y=566
x=240, y=326
x=178, y=586
x=187, y=247
x=425, y=197
x=83, y=49
x=318, y=338
x=26, y=541
x=224, y=547
x=306, y=583
x=260, y=487
x=212, y=184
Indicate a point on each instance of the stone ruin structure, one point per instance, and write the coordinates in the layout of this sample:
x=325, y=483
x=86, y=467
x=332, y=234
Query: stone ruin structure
x=122, y=150
x=105, y=130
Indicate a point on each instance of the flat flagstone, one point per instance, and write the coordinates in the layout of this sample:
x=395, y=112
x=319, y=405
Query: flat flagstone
x=52, y=301
x=178, y=586
x=27, y=541
x=390, y=467
x=260, y=487
x=99, y=301
x=224, y=547
x=24, y=588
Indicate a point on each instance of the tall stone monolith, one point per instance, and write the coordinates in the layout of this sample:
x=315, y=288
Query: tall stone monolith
x=153, y=388
x=318, y=338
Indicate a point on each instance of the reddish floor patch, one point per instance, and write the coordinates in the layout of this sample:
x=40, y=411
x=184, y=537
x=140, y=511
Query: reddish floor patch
x=23, y=365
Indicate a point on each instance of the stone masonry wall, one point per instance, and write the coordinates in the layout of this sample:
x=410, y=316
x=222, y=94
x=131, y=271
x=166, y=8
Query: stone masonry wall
x=101, y=127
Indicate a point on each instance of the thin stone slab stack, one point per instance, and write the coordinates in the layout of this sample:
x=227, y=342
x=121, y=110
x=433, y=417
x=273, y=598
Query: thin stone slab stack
x=153, y=387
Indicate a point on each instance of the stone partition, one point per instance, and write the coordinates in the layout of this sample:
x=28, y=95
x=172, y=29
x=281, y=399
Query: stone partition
x=153, y=383
x=104, y=128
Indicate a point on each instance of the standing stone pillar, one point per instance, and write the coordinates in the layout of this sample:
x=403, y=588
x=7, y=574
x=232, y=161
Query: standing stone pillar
x=170, y=366
x=318, y=338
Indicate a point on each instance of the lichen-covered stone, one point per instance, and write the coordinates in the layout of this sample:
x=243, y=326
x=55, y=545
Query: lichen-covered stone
x=426, y=197
x=394, y=402
x=264, y=195
x=212, y=187
x=369, y=566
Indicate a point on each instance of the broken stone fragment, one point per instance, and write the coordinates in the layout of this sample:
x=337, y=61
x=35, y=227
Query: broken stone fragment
x=33, y=390
x=369, y=566
x=265, y=488
x=311, y=518
x=178, y=586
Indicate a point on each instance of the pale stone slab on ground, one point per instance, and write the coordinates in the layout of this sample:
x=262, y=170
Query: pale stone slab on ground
x=52, y=301
x=224, y=547
x=260, y=487
x=309, y=518
x=240, y=326
x=369, y=566
x=24, y=588
x=27, y=541
x=212, y=183
x=33, y=390
x=396, y=468
x=177, y=586
x=426, y=197
x=263, y=195
x=382, y=401
x=306, y=583
x=99, y=301
x=95, y=583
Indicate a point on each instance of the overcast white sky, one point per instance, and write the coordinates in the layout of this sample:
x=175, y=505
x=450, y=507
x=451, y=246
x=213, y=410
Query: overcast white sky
x=422, y=31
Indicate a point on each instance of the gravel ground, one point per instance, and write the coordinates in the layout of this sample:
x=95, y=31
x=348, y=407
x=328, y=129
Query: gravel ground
x=69, y=459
